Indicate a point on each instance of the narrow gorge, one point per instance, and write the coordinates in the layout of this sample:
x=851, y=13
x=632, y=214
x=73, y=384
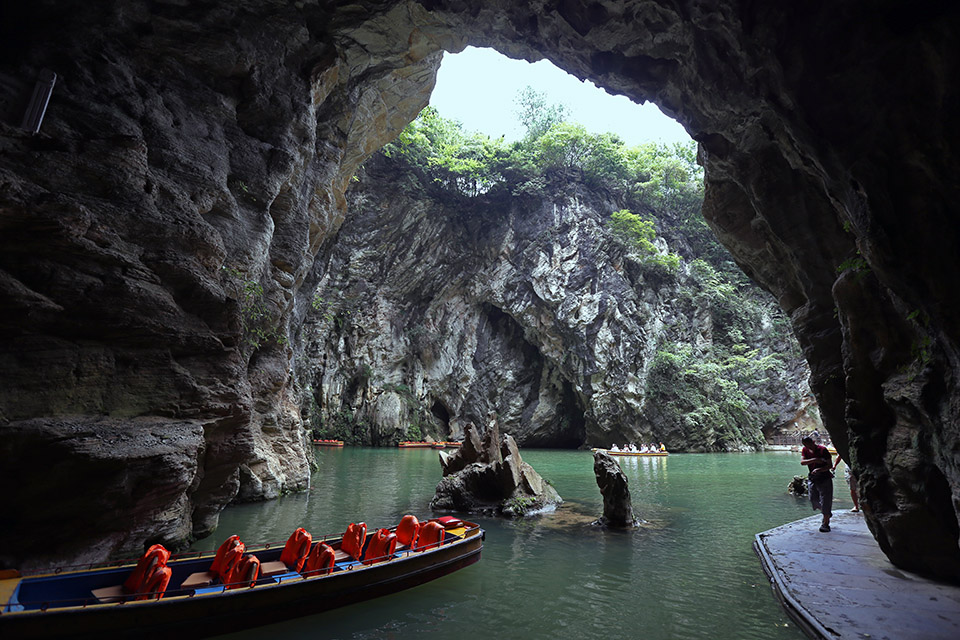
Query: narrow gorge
x=161, y=235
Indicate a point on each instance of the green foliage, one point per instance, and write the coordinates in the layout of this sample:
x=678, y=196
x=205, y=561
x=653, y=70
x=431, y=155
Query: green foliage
x=856, y=264
x=639, y=235
x=256, y=320
x=535, y=114
x=461, y=162
x=518, y=505
x=342, y=425
x=702, y=396
x=414, y=433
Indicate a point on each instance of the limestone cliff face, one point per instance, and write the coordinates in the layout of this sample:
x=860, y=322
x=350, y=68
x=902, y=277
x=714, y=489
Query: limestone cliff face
x=435, y=310
x=187, y=137
x=155, y=235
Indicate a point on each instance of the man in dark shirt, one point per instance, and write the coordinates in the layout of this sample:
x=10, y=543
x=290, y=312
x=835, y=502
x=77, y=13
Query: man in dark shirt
x=819, y=478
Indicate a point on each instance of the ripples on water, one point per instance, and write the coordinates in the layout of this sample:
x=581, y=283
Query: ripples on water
x=688, y=572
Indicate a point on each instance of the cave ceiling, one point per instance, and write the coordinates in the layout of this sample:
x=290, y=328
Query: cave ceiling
x=191, y=147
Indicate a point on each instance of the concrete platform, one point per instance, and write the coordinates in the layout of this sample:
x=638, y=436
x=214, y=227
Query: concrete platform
x=840, y=585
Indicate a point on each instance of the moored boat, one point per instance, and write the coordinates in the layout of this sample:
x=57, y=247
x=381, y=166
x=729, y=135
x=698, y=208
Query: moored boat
x=651, y=454
x=328, y=443
x=277, y=584
x=410, y=444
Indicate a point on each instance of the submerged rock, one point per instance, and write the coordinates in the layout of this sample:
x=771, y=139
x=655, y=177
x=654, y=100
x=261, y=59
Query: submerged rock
x=798, y=486
x=617, y=506
x=488, y=476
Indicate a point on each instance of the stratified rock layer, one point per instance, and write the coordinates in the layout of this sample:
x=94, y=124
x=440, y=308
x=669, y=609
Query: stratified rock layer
x=488, y=476
x=183, y=138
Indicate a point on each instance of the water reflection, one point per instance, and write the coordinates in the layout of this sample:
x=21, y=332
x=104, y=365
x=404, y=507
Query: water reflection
x=689, y=572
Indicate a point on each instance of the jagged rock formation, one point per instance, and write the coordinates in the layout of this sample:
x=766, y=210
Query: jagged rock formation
x=488, y=476
x=187, y=137
x=435, y=310
x=617, y=506
x=797, y=486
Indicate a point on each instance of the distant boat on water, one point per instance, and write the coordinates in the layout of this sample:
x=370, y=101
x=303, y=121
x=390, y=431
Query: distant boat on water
x=328, y=443
x=651, y=454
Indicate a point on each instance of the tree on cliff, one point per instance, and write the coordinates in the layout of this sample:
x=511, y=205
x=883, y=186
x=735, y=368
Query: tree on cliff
x=710, y=379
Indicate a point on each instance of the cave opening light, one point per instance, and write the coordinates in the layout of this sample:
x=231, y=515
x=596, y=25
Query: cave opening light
x=478, y=87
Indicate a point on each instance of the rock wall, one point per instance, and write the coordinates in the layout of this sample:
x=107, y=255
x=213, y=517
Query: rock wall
x=157, y=230
x=435, y=310
x=187, y=137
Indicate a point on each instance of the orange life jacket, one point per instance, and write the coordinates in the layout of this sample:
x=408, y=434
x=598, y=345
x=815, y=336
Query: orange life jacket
x=407, y=530
x=382, y=545
x=228, y=544
x=229, y=562
x=431, y=535
x=296, y=550
x=155, y=557
x=245, y=573
x=353, y=539
x=321, y=560
x=156, y=583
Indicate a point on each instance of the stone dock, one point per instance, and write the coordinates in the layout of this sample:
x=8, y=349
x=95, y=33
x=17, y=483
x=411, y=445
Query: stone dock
x=839, y=585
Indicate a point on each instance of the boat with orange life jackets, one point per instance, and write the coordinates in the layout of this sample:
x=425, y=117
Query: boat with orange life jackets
x=328, y=443
x=410, y=444
x=198, y=595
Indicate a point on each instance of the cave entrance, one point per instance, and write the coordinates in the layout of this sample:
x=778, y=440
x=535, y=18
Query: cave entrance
x=482, y=89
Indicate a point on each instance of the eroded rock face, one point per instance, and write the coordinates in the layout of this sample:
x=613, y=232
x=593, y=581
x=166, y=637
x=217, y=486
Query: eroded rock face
x=617, y=506
x=157, y=231
x=487, y=475
x=434, y=310
x=184, y=138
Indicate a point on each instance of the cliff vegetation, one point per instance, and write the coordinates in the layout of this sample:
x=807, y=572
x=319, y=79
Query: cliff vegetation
x=592, y=302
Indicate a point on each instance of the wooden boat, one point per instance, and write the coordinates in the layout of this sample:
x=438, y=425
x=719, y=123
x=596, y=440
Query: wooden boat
x=328, y=443
x=649, y=454
x=409, y=444
x=451, y=444
x=61, y=604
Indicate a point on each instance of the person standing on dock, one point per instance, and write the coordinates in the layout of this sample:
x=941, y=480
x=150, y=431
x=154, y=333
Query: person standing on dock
x=819, y=478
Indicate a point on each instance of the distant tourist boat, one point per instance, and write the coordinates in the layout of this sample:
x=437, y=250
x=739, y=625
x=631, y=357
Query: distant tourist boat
x=652, y=454
x=452, y=444
x=203, y=595
x=328, y=443
x=409, y=444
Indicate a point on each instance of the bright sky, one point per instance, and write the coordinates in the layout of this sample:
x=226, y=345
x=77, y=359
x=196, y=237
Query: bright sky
x=478, y=88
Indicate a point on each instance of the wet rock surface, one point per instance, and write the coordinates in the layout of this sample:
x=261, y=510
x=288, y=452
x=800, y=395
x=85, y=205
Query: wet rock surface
x=797, y=486
x=488, y=476
x=183, y=138
x=617, y=506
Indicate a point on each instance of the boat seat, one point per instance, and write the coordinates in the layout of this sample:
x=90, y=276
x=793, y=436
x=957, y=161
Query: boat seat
x=106, y=595
x=320, y=561
x=146, y=577
x=407, y=532
x=199, y=580
x=226, y=560
x=351, y=544
x=294, y=555
x=245, y=574
x=431, y=536
x=382, y=546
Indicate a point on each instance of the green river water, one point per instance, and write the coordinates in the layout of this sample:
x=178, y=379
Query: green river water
x=689, y=572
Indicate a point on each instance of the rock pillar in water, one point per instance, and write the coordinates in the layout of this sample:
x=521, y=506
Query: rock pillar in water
x=617, y=507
